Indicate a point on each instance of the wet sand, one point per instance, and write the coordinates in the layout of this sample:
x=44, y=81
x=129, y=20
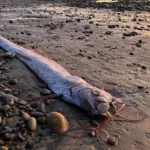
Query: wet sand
x=107, y=48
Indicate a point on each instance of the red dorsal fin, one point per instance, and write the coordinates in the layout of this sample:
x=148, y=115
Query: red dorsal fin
x=42, y=53
x=102, y=88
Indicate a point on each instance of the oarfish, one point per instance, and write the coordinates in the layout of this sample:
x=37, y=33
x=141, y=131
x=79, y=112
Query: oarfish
x=73, y=89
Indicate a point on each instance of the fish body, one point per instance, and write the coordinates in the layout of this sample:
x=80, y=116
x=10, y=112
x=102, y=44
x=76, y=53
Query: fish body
x=73, y=89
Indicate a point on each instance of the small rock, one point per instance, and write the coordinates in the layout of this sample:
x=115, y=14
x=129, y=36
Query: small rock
x=17, y=147
x=3, y=148
x=3, y=78
x=21, y=137
x=35, y=104
x=138, y=45
x=130, y=34
x=92, y=134
x=25, y=116
x=144, y=67
x=45, y=92
x=50, y=101
x=41, y=120
x=21, y=42
x=1, y=142
x=9, y=121
x=9, y=136
x=140, y=87
x=9, y=55
x=32, y=124
x=10, y=21
x=41, y=108
x=7, y=90
x=36, y=114
x=91, y=22
x=94, y=123
x=140, y=41
x=57, y=122
x=131, y=53
x=10, y=102
x=78, y=19
x=90, y=57
x=112, y=141
x=12, y=81
x=29, y=145
x=1, y=120
x=111, y=26
x=108, y=32
x=5, y=108
x=21, y=102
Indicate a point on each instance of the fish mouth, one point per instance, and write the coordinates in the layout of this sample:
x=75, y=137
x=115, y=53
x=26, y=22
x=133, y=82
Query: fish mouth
x=102, y=107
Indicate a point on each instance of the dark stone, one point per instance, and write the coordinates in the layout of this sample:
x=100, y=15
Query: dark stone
x=45, y=92
x=111, y=26
x=140, y=87
x=90, y=57
x=10, y=21
x=29, y=145
x=131, y=53
x=144, y=67
x=12, y=81
x=94, y=123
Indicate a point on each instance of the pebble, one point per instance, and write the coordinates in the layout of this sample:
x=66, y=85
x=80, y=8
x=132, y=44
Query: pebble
x=1, y=120
x=112, y=141
x=25, y=116
x=90, y=57
x=144, y=67
x=8, y=97
x=21, y=137
x=9, y=121
x=36, y=114
x=50, y=101
x=41, y=120
x=92, y=134
x=10, y=21
x=9, y=136
x=131, y=53
x=29, y=145
x=45, y=92
x=57, y=122
x=22, y=42
x=94, y=123
x=140, y=87
x=1, y=142
x=7, y=90
x=3, y=148
x=5, y=108
x=17, y=147
x=10, y=102
x=9, y=55
x=32, y=124
x=35, y=104
x=41, y=108
x=3, y=78
x=138, y=44
x=12, y=81
x=111, y=26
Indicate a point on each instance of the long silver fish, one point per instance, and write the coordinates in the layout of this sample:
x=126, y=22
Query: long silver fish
x=73, y=89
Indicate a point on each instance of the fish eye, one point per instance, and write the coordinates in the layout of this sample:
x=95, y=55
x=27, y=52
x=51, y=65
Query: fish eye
x=96, y=93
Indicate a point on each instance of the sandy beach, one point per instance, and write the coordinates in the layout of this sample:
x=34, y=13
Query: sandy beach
x=107, y=48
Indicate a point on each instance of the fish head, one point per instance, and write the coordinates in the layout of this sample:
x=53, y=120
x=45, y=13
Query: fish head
x=102, y=102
